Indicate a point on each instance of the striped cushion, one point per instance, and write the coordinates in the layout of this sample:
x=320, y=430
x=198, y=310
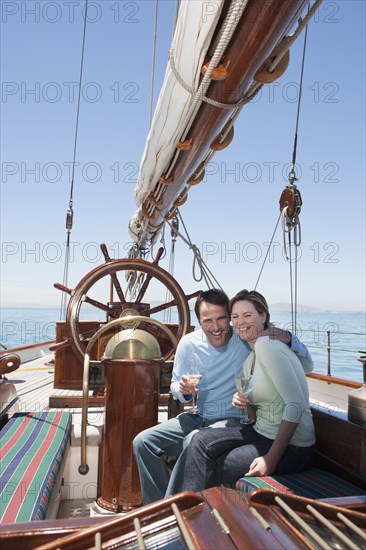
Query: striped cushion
x=32, y=446
x=314, y=483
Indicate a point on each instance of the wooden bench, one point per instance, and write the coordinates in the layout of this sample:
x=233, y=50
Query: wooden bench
x=32, y=446
x=339, y=465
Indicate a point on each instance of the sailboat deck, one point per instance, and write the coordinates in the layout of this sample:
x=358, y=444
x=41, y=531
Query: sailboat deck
x=34, y=386
x=34, y=383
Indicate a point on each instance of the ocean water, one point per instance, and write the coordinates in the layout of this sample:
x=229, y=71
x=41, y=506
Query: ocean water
x=345, y=332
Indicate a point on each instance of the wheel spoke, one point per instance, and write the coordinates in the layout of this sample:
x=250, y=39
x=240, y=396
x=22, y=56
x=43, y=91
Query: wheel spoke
x=162, y=307
x=148, y=278
x=85, y=336
x=118, y=288
x=143, y=289
x=114, y=277
x=99, y=305
x=193, y=295
x=172, y=303
x=60, y=345
x=64, y=288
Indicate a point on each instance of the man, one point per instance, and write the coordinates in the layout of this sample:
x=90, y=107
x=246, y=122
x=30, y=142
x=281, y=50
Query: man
x=217, y=351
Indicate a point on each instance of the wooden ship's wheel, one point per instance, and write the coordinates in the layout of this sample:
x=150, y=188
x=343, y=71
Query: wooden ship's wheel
x=135, y=271
x=75, y=333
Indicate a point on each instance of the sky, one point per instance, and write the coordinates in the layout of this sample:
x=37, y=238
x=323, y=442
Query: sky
x=232, y=214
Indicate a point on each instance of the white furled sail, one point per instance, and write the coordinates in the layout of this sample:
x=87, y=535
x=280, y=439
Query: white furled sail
x=196, y=24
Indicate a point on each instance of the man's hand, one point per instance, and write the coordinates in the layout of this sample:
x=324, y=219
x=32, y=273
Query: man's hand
x=276, y=333
x=186, y=387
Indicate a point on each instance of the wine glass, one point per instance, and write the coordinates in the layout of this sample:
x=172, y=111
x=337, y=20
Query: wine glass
x=243, y=385
x=194, y=377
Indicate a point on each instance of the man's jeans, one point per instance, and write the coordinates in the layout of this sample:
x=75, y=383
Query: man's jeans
x=171, y=438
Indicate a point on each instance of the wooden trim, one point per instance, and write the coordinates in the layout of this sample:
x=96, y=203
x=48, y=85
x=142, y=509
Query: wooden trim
x=35, y=533
x=74, y=401
x=334, y=380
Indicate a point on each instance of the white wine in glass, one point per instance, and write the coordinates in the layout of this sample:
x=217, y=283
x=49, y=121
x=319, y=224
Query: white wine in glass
x=243, y=386
x=194, y=377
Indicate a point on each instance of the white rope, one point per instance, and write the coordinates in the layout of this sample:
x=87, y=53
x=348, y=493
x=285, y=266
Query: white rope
x=191, y=90
x=235, y=11
x=232, y=18
x=293, y=222
x=287, y=225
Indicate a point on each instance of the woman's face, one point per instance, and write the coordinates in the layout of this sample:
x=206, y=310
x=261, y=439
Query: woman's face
x=247, y=322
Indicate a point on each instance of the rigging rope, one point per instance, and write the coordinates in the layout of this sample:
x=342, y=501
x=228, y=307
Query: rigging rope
x=292, y=173
x=174, y=228
x=291, y=39
x=295, y=223
x=70, y=211
x=292, y=220
x=153, y=61
x=205, y=273
x=268, y=249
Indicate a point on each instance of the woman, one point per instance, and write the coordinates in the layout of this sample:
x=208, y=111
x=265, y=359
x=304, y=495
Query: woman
x=282, y=438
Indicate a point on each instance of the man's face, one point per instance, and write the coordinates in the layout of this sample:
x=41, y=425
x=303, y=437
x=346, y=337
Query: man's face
x=215, y=323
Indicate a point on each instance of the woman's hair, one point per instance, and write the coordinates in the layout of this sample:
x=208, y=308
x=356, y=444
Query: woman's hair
x=258, y=301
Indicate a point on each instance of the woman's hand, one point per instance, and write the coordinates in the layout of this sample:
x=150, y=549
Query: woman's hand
x=260, y=467
x=266, y=465
x=240, y=400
